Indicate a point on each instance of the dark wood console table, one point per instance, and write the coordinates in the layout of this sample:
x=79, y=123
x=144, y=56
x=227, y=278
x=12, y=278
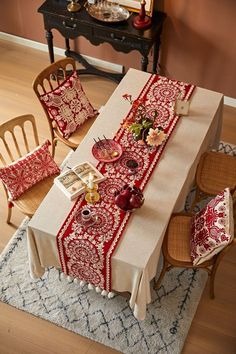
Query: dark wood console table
x=122, y=36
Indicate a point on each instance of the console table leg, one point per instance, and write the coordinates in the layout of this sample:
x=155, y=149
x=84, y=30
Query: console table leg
x=155, y=57
x=67, y=44
x=49, y=38
x=144, y=63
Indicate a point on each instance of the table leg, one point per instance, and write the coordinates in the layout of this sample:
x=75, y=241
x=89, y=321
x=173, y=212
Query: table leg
x=144, y=63
x=67, y=44
x=156, y=47
x=49, y=38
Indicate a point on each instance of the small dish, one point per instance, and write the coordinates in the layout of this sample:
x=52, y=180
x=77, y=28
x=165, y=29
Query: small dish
x=107, y=150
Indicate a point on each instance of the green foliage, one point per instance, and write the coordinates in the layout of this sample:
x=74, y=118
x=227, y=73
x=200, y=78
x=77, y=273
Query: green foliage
x=138, y=128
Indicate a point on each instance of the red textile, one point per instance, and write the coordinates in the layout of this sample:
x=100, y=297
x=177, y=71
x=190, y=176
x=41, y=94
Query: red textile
x=210, y=228
x=24, y=173
x=68, y=105
x=86, y=253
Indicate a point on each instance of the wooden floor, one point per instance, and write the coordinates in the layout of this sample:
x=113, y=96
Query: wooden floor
x=213, y=329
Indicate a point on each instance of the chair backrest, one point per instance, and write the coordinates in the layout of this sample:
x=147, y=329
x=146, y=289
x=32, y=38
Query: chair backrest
x=18, y=136
x=50, y=78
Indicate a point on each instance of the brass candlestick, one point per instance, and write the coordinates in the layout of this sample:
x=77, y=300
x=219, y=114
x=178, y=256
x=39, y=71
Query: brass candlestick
x=73, y=6
x=92, y=196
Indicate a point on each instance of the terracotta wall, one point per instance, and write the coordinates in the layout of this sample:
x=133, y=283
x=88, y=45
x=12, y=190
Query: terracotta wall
x=198, y=43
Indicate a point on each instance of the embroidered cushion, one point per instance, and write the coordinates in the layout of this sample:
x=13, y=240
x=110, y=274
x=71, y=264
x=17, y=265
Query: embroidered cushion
x=68, y=105
x=212, y=228
x=22, y=174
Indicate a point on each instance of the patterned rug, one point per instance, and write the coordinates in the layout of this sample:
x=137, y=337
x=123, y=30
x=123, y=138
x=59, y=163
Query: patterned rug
x=110, y=322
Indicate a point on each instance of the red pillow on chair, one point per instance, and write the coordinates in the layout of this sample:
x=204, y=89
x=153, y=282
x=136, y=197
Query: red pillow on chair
x=28, y=170
x=68, y=105
x=212, y=228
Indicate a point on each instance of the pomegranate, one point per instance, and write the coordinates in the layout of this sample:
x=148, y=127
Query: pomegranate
x=129, y=198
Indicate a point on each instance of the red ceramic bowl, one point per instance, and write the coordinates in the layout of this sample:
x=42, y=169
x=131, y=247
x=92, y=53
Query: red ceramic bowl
x=107, y=150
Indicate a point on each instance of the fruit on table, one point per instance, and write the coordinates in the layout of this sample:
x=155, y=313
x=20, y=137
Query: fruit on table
x=135, y=201
x=129, y=198
x=121, y=201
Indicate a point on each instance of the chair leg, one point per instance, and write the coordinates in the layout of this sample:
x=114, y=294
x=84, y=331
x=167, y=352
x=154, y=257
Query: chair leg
x=212, y=281
x=159, y=280
x=9, y=212
x=197, y=199
x=214, y=269
x=54, y=143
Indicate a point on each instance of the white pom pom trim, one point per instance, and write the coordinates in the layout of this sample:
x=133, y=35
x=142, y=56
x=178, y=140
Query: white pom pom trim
x=98, y=290
x=82, y=283
x=110, y=295
x=69, y=278
x=90, y=287
x=76, y=281
x=104, y=293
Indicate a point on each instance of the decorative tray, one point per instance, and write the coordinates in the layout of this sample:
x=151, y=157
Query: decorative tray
x=107, y=150
x=105, y=13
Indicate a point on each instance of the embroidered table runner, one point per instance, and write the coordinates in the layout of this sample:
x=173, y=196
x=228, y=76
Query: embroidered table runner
x=85, y=253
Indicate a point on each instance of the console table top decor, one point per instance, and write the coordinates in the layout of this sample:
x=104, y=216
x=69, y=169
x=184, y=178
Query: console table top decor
x=122, y=36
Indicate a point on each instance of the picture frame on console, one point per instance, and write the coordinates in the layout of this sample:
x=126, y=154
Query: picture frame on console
x=134, y=5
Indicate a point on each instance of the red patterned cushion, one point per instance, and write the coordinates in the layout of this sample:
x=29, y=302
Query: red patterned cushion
x=212, y=228
x=68, y=105
x=28, y=170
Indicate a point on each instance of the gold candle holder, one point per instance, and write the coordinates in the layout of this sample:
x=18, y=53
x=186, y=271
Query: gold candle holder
x=73, y=6
x=92, y=196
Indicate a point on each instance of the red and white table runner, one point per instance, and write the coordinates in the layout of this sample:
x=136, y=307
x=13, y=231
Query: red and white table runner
x=85, y=254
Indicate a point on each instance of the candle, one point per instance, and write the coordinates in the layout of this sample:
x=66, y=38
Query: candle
x=90, y=181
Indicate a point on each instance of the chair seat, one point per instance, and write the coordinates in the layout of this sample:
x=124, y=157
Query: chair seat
x=178, y=238
x=76, y=138
x=215, y=172
x=29, y=202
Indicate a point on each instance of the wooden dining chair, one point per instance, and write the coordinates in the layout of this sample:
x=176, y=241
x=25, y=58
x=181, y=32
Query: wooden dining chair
x=18, y=136
x=215, y=171
x=49, y=80
x=176, y=249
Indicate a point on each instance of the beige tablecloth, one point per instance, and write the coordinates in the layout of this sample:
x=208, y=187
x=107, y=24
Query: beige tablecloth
x=135, y=260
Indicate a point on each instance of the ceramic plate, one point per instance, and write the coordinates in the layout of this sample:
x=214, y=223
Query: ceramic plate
x=107, y=150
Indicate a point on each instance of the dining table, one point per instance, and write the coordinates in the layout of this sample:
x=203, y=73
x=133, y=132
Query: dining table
x=135, y=260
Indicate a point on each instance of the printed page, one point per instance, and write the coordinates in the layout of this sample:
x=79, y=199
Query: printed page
x=83, y=170
x=71, y=182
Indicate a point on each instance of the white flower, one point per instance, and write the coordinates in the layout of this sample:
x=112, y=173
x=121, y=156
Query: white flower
x=155, y=137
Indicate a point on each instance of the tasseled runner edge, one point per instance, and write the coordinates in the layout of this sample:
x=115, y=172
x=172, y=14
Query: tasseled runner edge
x=82, y=283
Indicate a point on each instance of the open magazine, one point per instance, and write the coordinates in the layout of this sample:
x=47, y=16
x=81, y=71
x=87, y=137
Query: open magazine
x=73, y=181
